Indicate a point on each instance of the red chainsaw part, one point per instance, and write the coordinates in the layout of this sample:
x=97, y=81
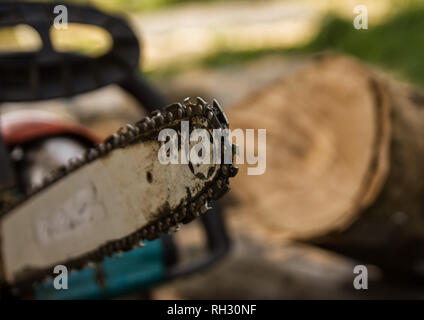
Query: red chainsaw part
x=23, y=126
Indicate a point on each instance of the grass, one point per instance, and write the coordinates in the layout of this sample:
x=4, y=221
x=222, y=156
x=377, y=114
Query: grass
x=140, y=5
x=397, y=44
x=134, y=5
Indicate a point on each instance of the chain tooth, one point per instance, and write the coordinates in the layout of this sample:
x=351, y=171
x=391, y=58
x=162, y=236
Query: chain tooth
x=209, y=115
x=220, y=114
x=180, y=112
x=193, y=207
x=188, y=111
x=216, y=104
x=174, y=111
x=121, y=131
x=177, y=217
x=219, y=183
x=150, y=123
x=200, y=207
x=133, y=130
x=152, y=228
x=202, y=203
x=225, y=171
x=92, y=154
x=76, y=163
x=129, y=133
x=201, y=102
x=233, y=171
x=145, y=124
x=158, y=120
x=123, y=243
x=183, y=212
x=210, y=192
x=138, y=237
x=116, y=140
x=199, y=109
x=169, y=116
x=177, y=227
x=108, y=146
x=101, y=148
x=200, y=105
x=225, y=187
x=87, y=155
x=205, y=208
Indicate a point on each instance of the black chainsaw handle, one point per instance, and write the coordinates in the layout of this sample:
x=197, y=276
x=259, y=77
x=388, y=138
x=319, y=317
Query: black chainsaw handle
x=47, y=73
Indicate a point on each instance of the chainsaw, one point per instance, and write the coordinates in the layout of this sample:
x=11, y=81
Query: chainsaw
x=117, y=194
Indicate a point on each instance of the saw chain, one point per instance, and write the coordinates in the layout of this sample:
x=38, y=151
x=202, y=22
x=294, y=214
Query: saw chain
x=112, y=198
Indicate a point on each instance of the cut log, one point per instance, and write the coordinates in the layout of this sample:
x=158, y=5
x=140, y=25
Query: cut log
x=345, y=163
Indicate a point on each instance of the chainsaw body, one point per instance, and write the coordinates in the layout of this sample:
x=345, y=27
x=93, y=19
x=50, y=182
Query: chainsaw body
x=33, y=143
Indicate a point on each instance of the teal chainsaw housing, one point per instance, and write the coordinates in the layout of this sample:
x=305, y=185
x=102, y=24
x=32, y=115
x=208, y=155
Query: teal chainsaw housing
x=136, y=270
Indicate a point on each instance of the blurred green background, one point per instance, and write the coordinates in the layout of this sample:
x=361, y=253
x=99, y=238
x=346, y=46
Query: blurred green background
x=180, y=35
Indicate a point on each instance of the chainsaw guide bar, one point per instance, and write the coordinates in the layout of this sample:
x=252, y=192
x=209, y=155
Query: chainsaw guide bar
x=112, y=198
